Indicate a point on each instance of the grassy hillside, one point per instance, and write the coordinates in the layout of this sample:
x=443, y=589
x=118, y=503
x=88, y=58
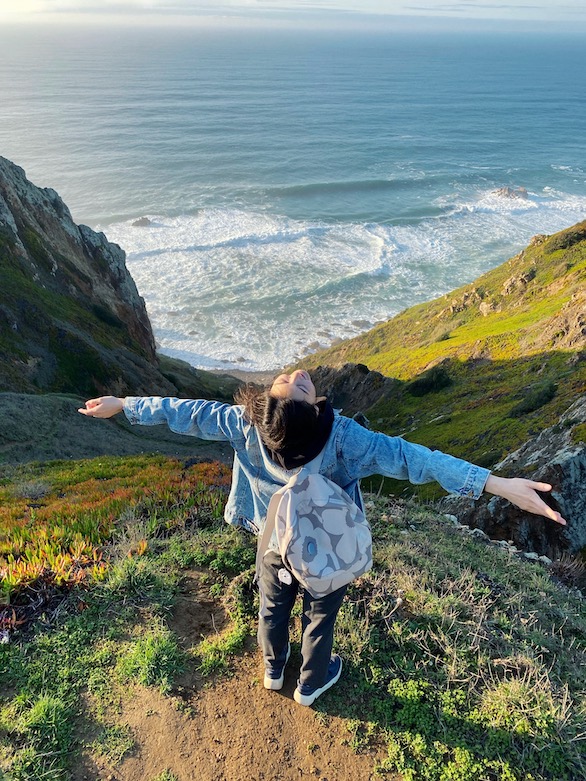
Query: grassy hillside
x=487, y=365
x=48, y=427
x=456, y=665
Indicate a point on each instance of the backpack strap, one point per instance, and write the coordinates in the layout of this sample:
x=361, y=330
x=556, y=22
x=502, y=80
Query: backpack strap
x=269, y=527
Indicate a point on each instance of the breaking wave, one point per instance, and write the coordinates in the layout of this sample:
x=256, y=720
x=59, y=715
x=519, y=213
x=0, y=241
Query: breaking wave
x=229, y=288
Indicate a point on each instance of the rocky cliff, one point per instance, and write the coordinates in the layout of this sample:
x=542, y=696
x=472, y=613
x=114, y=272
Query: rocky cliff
x=71, y=318
x=495, y=373
x=557, y=455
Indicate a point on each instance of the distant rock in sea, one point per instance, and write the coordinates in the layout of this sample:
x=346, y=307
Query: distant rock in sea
x=511, y=192
x=142, y=222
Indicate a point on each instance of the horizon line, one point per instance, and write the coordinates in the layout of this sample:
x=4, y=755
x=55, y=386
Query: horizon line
x=295, y=20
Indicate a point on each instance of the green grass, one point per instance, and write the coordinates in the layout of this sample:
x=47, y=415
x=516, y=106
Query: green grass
x=120, y=639
x=468, y=675
x=475, y=383
x=166, y=775
x=488, y=410
x=153, y=660
x=114, y=742
x=464, y=662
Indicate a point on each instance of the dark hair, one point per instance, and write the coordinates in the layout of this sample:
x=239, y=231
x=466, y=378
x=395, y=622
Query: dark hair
x=281, y=423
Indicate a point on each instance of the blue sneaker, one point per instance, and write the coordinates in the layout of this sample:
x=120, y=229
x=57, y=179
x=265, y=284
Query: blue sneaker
x=305, y=695
x=274, y=678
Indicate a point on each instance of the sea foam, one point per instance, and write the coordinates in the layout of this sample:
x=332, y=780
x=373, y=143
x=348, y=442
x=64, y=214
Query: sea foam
x=228, y=288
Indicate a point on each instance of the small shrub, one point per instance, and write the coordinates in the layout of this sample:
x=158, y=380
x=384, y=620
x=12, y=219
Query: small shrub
x=135, y=578
x=114, y=742
x=521, y=706
x=489, y=458
x=41, y=733
x=579, y=434
x=153, y=660
x=431, y=381
x=536, y=398
x=570, y=570
x=37, y=248
x=166, y=775
x=46, y=725
x=215, y=652
x=106, y=316
x=566, y=238
x=441, y=333
x=230, y=555
x=35, y=489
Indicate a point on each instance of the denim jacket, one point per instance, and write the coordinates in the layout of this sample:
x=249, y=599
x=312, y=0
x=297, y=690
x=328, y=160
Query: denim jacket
x=350, y=453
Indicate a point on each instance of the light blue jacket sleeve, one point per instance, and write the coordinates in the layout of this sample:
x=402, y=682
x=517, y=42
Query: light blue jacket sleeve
x=366, y=453
x=194, y=417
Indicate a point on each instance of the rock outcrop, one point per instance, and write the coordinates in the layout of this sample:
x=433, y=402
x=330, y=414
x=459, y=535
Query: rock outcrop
x=353, y=388
x=71, y=318
x=556, y=456
x=512, y=192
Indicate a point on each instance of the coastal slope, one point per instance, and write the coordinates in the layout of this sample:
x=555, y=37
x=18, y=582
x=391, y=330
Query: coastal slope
x=480, y=370
x=494, y=372
x=71, y=318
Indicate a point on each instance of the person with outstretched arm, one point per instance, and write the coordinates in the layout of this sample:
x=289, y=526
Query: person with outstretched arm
x=273, y=432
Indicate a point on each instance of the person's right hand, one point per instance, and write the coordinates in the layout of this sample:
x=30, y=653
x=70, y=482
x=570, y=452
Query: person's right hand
x=104, y=407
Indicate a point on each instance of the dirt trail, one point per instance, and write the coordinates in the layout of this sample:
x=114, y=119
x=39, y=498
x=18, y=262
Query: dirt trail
x=238, y=732
x=233, y=729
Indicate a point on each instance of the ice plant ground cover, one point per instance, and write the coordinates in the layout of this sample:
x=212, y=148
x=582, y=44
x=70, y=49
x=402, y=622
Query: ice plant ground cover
x=56, y=519
x=461, y=661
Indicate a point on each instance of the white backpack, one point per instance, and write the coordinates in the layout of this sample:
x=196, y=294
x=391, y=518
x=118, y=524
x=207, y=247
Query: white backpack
x=322, y=534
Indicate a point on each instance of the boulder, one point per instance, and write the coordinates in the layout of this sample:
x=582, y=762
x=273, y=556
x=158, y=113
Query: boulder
x=511, y=192
x=556, y=456
x=352, y=388
x=518, y=283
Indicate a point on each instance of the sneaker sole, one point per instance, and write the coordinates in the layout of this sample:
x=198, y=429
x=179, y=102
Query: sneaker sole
x=275, y=684
x=309, y=699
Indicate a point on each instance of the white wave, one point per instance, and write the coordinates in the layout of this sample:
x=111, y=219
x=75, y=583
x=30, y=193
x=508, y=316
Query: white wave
x=239, y=289
x=569, y=169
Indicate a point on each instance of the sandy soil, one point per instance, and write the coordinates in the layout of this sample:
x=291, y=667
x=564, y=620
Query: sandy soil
x=229, y=729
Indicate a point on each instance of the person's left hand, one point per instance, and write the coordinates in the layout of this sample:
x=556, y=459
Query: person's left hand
x=523, y=494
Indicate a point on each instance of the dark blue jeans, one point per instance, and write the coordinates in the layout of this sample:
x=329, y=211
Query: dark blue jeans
x=277, y=596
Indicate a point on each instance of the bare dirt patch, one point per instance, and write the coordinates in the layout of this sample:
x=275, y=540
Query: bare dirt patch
x=239, y=731
x=229, y=728
x=195, y=614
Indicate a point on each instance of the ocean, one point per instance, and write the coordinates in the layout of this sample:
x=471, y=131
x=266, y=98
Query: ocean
x=300, y=187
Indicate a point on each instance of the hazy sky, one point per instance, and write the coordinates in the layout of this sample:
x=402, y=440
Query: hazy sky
x=306, y=12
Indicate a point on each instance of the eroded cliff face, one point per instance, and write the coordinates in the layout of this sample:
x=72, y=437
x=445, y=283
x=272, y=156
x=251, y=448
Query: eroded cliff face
x=557, y=456
x=71, y=318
